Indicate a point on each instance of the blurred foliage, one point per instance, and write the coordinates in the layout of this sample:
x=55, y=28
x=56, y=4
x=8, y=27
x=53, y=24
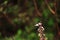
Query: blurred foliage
x=26, y=18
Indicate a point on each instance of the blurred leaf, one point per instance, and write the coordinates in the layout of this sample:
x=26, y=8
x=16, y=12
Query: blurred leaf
x=19, y=32
x=51, y=4
x=46, y=13
x=18, y=35
x=36, y=20
x=15, y=20
x=5, y=2
x=16, y=9
x=30, y=11
x=10, y=9
x=1, y=9
x=49, y=36
x=50, y=22
x=32, y=35
x=27, y=29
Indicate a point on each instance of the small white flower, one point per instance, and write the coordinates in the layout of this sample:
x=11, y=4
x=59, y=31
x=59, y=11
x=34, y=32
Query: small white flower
x=36, y=25
x=42, y=28
x=40, y=23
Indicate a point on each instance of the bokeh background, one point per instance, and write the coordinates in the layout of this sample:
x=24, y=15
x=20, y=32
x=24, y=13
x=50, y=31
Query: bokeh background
x=18, y=17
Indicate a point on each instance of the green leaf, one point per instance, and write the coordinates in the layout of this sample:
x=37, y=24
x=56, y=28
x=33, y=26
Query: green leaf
x=50, y=22
x=49, y=36
x=51, y=4
x=36, y=20
x=46, y=13
x=15, y=20
x=18, y=35
x=19, y=32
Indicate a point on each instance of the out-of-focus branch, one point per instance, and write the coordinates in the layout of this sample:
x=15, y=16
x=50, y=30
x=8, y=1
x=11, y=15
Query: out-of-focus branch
x=8, y=19
x=6, y=16
x=53, y=12
x=36, y=8
x=56, y=17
